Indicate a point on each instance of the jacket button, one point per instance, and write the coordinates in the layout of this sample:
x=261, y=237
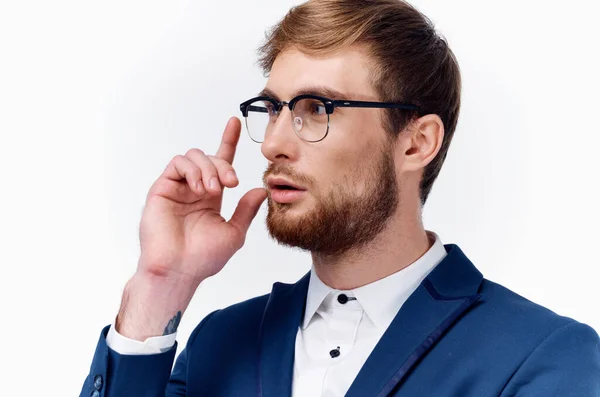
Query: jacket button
x=98, y=382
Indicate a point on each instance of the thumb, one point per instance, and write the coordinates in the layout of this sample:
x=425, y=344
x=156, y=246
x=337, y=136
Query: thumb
x=247, y=209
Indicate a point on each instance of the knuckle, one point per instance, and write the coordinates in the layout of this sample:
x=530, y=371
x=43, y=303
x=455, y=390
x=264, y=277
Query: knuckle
x=207, y=170
x=194, y=151
x=215, y=160
x=211, y=167
x=177, y=158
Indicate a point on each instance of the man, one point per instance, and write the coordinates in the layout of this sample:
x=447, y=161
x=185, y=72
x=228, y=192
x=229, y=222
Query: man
x=356, y=119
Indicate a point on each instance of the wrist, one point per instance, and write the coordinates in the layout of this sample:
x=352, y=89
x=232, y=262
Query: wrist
x=153, y=305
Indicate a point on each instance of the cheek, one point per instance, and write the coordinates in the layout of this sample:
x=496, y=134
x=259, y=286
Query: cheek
x=345, y=171
x=346, y=156
x=355, y=135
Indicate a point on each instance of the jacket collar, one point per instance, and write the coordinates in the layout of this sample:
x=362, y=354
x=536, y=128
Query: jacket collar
x=448, y=292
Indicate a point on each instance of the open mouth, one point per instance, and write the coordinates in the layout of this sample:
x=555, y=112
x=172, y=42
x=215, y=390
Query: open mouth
x=285, y=187
x=278, y=183
x=284, y=191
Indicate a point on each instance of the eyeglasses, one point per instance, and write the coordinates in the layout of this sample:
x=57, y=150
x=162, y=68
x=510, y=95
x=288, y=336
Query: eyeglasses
x=310, y=114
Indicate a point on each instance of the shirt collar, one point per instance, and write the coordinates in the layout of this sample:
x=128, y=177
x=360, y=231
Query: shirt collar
x=317, y=291
x=380, y=299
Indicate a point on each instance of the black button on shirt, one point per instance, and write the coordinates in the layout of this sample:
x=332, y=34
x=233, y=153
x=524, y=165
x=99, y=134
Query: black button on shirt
x=335, y=352
x=342, y=298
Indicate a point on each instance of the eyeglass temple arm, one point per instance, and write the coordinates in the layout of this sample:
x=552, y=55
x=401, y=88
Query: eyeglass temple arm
x=364, y=104
x=260, y=109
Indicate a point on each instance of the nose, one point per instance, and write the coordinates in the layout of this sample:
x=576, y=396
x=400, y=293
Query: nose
x=281, y=142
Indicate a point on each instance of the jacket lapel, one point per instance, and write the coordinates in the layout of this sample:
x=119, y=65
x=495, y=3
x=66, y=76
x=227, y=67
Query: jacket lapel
x=281, y=319
x=447, y=293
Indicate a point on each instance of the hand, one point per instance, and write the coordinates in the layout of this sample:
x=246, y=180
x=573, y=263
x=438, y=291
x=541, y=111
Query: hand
x=183, y=237
x=182, y=232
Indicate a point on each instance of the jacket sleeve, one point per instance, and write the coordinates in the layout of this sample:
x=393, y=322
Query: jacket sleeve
x=566, y=363
x=116, y=375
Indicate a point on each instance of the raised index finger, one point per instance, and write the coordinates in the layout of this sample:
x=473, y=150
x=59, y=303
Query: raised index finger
x=231, y=136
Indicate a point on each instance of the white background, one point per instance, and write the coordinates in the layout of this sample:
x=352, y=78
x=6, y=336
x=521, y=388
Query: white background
x=96, y=98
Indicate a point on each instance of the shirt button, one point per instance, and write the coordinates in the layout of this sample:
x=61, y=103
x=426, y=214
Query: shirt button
x=335, y=352
x=98, y=382
x=342, y=298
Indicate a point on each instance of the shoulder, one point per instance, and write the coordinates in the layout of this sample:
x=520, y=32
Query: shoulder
x=518, y=321
x=555, y=353
x=514, y=309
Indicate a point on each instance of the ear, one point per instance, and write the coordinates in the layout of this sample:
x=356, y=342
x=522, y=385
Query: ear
x=421, y=142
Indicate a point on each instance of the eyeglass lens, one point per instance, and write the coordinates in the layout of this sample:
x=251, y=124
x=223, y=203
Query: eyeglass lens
x=309, y=119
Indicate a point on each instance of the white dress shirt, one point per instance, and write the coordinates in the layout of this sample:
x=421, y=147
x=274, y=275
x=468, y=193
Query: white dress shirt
x=335, y=339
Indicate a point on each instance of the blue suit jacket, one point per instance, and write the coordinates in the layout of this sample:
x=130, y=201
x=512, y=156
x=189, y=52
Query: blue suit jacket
x=458, y=335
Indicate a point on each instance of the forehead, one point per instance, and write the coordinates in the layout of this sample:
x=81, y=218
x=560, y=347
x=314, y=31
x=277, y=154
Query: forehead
x=347, y=71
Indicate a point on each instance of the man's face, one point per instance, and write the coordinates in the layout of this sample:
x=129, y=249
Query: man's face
x=348, y=180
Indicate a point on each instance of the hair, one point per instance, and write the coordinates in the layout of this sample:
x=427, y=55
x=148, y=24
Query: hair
x=411, y=62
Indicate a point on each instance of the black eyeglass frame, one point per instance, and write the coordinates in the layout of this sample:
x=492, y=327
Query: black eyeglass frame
x=330, y=105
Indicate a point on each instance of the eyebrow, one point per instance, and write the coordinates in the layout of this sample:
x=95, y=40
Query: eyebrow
x=323, y=91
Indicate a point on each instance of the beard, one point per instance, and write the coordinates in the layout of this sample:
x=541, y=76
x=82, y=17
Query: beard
x=342, y=220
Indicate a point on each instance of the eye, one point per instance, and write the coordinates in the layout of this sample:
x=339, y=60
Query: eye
x=271, y=109
x=317, y=108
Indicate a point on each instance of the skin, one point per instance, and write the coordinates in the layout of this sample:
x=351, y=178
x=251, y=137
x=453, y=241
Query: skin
x=355, y=139
x=184, y=239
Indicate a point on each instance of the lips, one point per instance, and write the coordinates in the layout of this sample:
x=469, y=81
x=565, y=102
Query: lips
x=285, y=191
x=283, y=184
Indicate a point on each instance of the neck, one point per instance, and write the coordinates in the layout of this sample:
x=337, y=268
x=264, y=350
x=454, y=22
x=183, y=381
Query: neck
x=402, y=242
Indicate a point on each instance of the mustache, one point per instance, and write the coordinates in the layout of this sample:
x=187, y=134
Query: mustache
x=287, y=171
